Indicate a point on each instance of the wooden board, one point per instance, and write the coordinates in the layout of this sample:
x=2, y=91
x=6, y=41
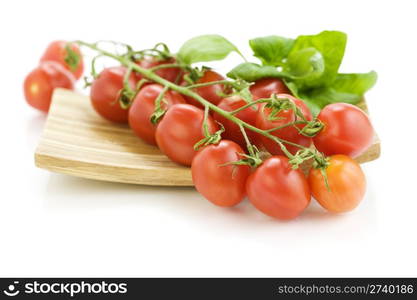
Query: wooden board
x=78, y=142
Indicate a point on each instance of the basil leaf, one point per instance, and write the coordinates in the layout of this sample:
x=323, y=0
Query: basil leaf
x=292, y=87
x=318, y=98
x=205, y=48
x=331, y=44
x=312, y=104
x=348, y=88
x=305, y=65
x=252, y=72
x=271, y=50
x=356, y=83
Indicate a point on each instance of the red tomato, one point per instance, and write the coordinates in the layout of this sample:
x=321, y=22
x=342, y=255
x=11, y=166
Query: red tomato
x=232, y=130
x=180, y=129
x=277, y=190
x=41, y=82
x=347, y=184
x=265, y=87
x=347, y=130
x=221, y=184
x=143, y=107
x=212, y=93
x=57, y=52
x=105, y=92
x=289, y=133
x=170, y=74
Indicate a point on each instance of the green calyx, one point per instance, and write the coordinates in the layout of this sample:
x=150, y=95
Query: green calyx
x=214, y=138
x=312, y=128
x=72, y=58
x=276, y=105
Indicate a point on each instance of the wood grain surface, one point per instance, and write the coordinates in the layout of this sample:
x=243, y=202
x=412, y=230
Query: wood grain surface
x=76, y=141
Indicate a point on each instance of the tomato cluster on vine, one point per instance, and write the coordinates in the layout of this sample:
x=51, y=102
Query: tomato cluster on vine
x=241, y=139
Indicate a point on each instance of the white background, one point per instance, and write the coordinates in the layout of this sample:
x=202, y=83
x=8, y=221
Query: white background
x=55, y=225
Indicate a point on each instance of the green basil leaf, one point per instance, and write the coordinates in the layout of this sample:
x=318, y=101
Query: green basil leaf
x=252, y=72
x=331, y=45
x=305, y=65
x=319, y=98
x=205, y=48
x=312, y=104
x=348, y=88
x=292, y=87
x=356, y=83
x=271, y=50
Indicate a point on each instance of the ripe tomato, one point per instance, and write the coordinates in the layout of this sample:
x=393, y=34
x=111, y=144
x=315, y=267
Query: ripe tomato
x=221, y=184
x=232, y=130
x=105, y=92
x=265, y=87
x=180, y=129
x=143, y=107
x=347, y=130
x=170, y=74
x=41, y=82
x=277, y=190
x=289, y=133
x=347, y=184
x=57, y=51
x=212, y=93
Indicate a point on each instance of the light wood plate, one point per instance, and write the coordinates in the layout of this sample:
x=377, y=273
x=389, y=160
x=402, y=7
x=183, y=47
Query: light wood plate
x=76, y=141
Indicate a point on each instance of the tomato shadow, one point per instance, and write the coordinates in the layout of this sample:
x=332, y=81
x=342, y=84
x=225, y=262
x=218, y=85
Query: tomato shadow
x=314, y=212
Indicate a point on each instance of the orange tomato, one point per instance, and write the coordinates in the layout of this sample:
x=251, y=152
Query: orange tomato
x=347, y=184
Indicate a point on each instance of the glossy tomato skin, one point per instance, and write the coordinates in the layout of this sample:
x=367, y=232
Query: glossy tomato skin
x=57, y=52
x=105, y=92
x=264, y=88
x=290, y=133
x=232, y=130
x=347, y=184
x=180, y=129
x=277, y=190
x=40, y=83
x=223, y=185
x=347, y=130
x=170, y=74
x=143, y=107
x=212, y=93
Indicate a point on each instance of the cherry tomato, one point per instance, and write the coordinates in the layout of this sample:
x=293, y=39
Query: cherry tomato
x=223, y=185
x=347, y=130
x=180, y=129
x=265, y=87
x=41, y=82
x=212, y=93
x=57, y=51
x=347, y=184
x=170, y=74
x=143, y=107
x=289, y=133
x=105, y=92
x=277, y=190
x=232, y=130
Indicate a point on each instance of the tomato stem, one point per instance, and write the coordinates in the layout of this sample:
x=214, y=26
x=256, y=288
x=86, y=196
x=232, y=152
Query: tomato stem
x=197, y=85
x=263, y=100
x=159, y=112
x=165, y=66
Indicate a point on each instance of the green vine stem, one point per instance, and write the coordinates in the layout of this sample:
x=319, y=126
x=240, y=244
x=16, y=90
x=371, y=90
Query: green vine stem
x=149, y=74
x=197, y=85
